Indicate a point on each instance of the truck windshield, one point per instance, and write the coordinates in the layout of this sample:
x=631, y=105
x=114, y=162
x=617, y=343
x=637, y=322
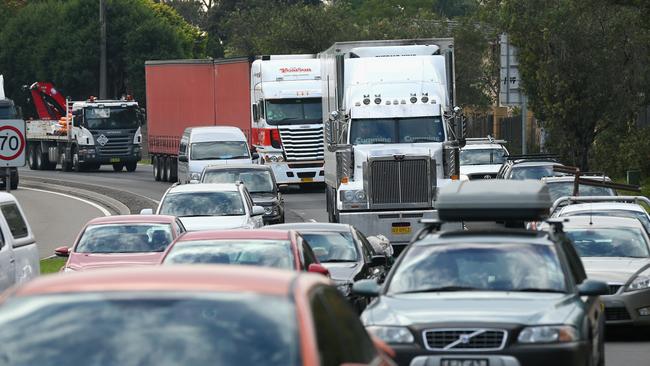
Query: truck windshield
x=294, y=111
x=7, y=112
x=111, y=118
x=217, y=150
x=396, y=130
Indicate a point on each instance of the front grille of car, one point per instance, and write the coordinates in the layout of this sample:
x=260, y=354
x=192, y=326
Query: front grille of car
x=465, y=339
x=481, y=176
x=400, y=182
x=616, y=313
x=613, y=288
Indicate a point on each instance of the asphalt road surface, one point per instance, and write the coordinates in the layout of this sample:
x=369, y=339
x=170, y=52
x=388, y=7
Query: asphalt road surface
x=624, y=347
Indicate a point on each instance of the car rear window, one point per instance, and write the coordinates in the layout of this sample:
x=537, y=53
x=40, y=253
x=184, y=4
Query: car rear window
x=162, y=329
x=265, y=253
x=561, y=189
x=609, y=242
x=124, y=238
x=15, y=219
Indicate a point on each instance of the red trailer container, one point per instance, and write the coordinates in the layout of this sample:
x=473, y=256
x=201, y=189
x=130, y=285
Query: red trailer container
x=192, y=93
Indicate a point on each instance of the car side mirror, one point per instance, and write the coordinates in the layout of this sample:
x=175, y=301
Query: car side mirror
x=257, y=211
x=146, y=211
x=378, y=261
x=255, y=156
x=62, y=252
x=367, y=288
x=318, y=268
x=593, y=288
x=182, y=158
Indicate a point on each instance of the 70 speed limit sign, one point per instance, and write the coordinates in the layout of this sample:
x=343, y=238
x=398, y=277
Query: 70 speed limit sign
x=12, y=143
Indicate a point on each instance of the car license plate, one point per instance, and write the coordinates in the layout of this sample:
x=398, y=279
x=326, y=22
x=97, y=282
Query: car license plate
x=463, y=362
x=401, y=230
x=115, y=160
x=306, y=180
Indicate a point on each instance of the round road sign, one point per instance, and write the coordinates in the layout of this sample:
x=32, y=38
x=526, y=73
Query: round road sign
x=12, y=142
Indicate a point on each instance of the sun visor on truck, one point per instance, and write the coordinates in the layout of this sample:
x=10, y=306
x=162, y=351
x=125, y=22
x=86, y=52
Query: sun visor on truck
x=494, y=200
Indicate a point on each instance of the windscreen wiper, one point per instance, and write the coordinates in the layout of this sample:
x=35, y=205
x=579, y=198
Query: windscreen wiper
x=533, y=289
x=339, y=261
x=443, y=289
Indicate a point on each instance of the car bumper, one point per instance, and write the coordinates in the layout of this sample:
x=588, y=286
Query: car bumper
x=567, y=354
x=298, y=172
x=623, y=308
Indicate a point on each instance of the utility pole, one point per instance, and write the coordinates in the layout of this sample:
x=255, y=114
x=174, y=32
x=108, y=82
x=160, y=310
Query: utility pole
x=102, y=50
x=524, y=113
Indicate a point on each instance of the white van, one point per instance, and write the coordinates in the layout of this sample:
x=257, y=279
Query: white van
x=203, y=146
x=19, y=260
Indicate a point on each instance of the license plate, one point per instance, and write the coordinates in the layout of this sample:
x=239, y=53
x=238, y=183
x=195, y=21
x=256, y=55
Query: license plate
x=401, y=230
x=464, y=362
x=306, y=180
x=115, y=160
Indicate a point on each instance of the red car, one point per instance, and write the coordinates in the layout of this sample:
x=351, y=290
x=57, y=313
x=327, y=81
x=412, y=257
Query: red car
x=184, y=315
x=115, y=241
x=285, y=249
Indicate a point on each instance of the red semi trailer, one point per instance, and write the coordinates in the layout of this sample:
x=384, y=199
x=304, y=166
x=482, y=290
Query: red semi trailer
x=192, y=93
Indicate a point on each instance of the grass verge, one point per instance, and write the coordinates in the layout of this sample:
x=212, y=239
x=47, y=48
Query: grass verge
x=51, y=265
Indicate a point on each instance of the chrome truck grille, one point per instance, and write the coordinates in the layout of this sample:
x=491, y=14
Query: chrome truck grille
x=302, y=144
x=113, y=145
x=401, y=183
x=465, y=339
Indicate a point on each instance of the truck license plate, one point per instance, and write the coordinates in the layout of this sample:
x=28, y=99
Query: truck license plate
x=401, y=229
x=306, y=180
x=463, y=362
x=115, y=160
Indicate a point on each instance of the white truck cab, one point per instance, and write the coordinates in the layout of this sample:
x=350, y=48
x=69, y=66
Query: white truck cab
x=215, y=145
x=19, y=260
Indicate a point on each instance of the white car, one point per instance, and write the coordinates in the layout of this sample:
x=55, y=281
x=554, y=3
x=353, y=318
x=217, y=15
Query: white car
x=211, y=206
x=19, y=260
x=482, y=158
x=620, y=206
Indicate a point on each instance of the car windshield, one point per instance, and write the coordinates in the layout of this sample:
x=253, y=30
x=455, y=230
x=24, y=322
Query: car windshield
x=609, y=242
x=264, y=253
x=396, y=130
x=296, y=111
x=255, y=180
x=125, y=238
x=186, y=204
x=533, y=172
x=111, y=118
x=480, y=267
x=641, y=216
x=482, y=156
x=162, y=329
x=332, y=246
x=219, y=150
x=562, y=189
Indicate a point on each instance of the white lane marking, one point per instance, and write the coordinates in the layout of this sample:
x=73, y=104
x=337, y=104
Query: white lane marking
x=100, y=208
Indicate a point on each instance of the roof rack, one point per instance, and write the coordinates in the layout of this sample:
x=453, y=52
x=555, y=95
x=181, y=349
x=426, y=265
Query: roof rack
x=489, y=139
x=567, y=200
x=592, y=182
x=534, y=157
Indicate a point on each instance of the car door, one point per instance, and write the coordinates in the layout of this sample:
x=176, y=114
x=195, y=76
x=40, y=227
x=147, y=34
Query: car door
x=24, y=251
x=371, y=271
x=257, y=221
x=7, y=265
x=183, y=153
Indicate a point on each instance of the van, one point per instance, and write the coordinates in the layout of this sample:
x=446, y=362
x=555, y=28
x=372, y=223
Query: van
x=203, y=146
x=19, y=260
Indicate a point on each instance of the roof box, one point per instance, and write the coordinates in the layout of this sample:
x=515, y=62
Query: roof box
x=494, y=200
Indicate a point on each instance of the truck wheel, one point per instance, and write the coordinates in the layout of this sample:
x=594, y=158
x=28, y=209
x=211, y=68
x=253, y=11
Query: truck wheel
x=39, y=158
x=173, y=170
x=31, y=157
x=165, y=169
x=131, y=166
x=117, y=167
x=46, y=163
x=76, y=165
x=156, y=167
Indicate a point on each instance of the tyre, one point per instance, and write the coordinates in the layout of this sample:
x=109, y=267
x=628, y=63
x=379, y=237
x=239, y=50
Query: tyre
x=117, y=167
x=14, y=182
x=173, y=170
x=39, y=163
x=165, y=169
x=131, y=166
x=66, y=164
x=47, y=164
x=31, y=157
x=156, y=167
x=76, y=165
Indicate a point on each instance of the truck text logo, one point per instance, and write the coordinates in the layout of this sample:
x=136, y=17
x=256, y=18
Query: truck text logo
x=285, y=70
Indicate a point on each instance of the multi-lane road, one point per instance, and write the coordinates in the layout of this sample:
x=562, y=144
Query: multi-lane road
x=56, y=219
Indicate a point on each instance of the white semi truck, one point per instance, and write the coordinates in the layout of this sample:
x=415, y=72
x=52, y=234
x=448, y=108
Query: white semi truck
x=390, y=133
x=287, y=116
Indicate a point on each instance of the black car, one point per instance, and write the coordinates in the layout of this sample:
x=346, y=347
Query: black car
x=489, y=297
x=535, y=166
x=260, y=182
x=346, y=253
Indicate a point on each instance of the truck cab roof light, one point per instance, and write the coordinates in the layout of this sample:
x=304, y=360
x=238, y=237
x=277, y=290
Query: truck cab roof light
x=377, y=100
x=388, y=102
x=425, y=99
x=345, y=180
x=366, y=101
x=357, y=104
x=395, y=101
x=414, y=99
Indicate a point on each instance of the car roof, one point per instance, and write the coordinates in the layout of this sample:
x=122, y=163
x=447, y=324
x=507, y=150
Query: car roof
x=601, y=206
x=495, y=236
x=588, y=221
x=133, y=219
x=235, y=234
x=313, y=226
x=482, y=146
x=177, y=278
x=216, y=133
x=526, y=163
x=7, y=197
x=238, y=167
x=205, y=187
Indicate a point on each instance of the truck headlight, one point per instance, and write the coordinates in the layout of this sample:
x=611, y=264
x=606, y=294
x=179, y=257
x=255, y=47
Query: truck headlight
x=195, y=176
x=548, y=334
x=392, y=335
x=641, y=282
x=351, y=196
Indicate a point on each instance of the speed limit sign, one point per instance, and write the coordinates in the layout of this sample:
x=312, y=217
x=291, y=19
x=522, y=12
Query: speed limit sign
x=12, y=143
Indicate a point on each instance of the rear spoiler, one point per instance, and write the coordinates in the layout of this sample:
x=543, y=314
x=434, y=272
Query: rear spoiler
x=563, y=201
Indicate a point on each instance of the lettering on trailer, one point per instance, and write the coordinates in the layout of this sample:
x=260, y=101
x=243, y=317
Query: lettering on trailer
x=285, y=70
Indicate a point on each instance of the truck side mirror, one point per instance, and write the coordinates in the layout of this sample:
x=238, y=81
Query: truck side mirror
x=182, y=158
x=256, y=114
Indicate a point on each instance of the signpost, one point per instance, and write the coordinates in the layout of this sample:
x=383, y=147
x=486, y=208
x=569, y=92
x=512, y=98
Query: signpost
x=509, y=92
x=12, y=147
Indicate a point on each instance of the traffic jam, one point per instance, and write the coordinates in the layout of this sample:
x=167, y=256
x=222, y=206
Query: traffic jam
x=440, y=250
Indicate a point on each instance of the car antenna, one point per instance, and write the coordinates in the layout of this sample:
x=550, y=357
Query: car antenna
x=591, y=214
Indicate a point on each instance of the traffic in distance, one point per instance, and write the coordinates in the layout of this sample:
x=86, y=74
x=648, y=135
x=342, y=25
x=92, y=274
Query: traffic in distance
x=440, y=250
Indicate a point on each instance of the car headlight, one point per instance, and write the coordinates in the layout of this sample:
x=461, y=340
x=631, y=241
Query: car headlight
x=268, y=210
x=391, y=334
x=641, y=282
x=548, y=334
x=351, y=196
x=195, y=176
